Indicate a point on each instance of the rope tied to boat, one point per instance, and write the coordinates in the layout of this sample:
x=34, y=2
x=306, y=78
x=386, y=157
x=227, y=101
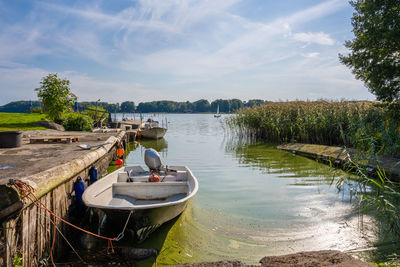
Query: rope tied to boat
x=27, y=191
x=121, y=235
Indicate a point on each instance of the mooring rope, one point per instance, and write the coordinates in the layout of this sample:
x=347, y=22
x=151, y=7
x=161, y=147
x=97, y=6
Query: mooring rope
x=27, y=191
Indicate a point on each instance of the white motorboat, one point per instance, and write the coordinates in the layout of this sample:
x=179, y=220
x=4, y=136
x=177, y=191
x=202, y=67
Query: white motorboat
x=151, y=130
x=151, y=133
x=152, y=197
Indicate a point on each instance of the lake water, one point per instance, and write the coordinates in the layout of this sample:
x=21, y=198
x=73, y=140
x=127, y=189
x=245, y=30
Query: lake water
x=253, y=200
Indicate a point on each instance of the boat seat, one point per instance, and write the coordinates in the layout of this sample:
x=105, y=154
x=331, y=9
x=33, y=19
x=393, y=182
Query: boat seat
x=168, y=178
x=180, y=176
x=147, y=191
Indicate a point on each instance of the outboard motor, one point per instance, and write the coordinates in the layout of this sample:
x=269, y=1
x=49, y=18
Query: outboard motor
x=152, y=159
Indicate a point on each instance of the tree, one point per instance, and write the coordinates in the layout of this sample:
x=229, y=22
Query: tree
x=223, y=105
x=254, y=102
x=375, y=50
x=128, y=107
x=55, y=95
x=202, y=105
x=235, y=104
x=91, y=112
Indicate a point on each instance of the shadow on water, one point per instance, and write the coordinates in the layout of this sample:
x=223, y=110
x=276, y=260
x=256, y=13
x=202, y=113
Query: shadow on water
x=156, y=241
x=126, y=252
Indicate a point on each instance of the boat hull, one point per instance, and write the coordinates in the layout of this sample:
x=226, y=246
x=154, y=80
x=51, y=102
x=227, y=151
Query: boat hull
x=152, y=133
x=151, y=204
x=144, y=222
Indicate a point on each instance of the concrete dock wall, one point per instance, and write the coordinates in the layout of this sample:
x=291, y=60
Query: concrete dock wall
x=29, y=232
x=345, y=157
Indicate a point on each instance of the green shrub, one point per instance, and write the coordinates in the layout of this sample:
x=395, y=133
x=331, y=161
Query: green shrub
x=91, y=112
x=36, y=110
x=77, y=122
x=17, y=260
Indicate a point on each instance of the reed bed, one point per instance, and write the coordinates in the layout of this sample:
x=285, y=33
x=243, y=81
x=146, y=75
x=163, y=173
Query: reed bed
x=363, y=125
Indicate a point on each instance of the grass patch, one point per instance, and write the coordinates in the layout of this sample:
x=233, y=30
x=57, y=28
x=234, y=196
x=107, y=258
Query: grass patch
x=20, y=121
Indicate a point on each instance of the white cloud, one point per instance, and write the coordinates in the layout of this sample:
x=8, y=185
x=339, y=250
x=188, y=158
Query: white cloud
x=311, y=55
x=17, y=82
x=171, y=46
x=317, y=38
x=315, y=12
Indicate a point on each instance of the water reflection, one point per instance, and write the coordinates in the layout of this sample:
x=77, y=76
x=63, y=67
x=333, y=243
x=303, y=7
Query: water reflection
x=266, y=158
x=253, y=201
x=160, y=145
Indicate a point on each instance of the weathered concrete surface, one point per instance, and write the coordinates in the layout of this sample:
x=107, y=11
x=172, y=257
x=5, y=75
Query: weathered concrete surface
x=303, y=259
x=31, y=159
x=56, y=167
x=45, y=166
x=342, y=156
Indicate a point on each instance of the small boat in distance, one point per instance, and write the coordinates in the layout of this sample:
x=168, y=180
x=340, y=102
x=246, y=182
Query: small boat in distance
x=151, y=130
x=217, y=115
x=150, y=198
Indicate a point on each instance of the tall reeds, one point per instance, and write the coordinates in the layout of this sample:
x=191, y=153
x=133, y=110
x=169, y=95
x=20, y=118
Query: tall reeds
x=361, y=125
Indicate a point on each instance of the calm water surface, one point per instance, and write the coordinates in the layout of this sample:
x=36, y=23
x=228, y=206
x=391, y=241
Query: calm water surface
x=253, y=201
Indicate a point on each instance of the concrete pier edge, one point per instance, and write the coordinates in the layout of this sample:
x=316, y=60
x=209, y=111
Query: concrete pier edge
x=27, y=229
x=46, y=180
x=340, y=156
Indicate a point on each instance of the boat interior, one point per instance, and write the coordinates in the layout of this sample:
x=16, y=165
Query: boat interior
x=133, y=187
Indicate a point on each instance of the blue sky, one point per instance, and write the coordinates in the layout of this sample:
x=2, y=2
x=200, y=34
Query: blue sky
x=178, y=49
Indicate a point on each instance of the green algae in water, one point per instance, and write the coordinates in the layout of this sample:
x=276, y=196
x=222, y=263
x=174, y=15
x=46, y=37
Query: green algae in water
x=253, y=200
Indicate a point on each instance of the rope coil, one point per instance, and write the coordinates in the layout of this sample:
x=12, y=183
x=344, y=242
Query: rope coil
x=26, y=191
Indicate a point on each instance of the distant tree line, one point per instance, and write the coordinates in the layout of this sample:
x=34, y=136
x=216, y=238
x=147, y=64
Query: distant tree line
x=199, y=106
x=20, y=106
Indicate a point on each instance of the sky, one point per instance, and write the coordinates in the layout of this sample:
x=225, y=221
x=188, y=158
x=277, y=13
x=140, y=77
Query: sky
x=181, y=50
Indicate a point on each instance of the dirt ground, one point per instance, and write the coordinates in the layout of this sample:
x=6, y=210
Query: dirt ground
x=29, y=158
x=303, y=259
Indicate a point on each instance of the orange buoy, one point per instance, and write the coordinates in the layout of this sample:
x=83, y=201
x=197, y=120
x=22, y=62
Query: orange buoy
x=120, y=152
x=154, y=178
x=119, y=162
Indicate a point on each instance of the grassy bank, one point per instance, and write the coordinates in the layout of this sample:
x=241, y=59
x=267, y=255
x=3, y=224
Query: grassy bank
x=20, y=121
x=361, y=125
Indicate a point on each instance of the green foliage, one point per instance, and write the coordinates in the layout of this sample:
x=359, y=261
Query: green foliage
x=375, y=50
x=77, y=122
x=387, y=264
x=20, y=121
x=56, y=95
x=128, y=107
x=17, y=260
x=202, y=105
x=225, y=106
x=36, y=110
x=378, y=194
x=362, y=125
x=20, y=106
x=91, y=112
